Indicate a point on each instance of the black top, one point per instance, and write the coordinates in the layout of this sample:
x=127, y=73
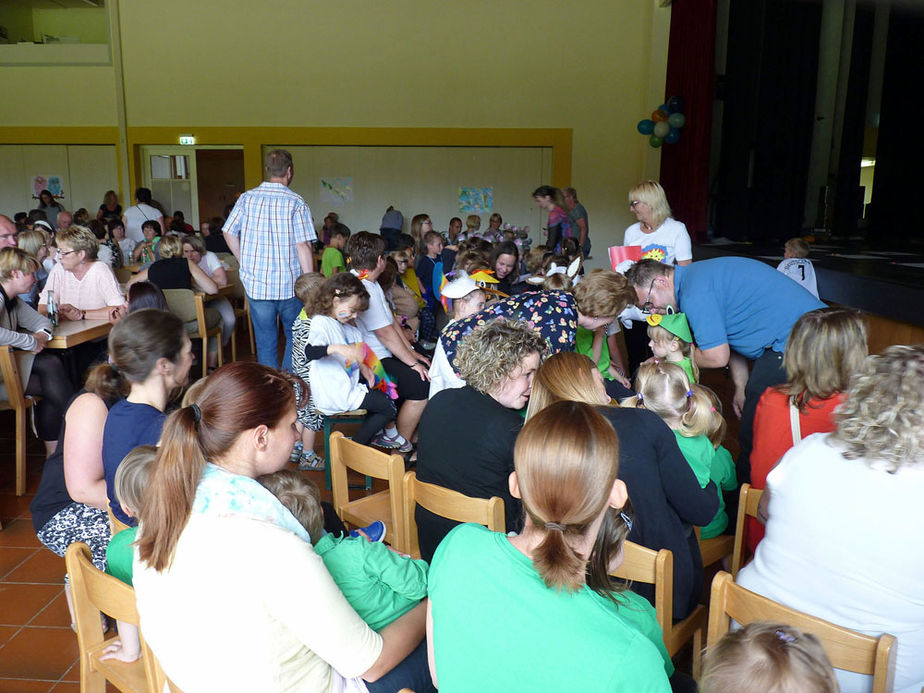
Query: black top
x=666, y=497
x=111, y=213
x=466, y=441
x=52, y=496
x=171, y=273
x=216, y=242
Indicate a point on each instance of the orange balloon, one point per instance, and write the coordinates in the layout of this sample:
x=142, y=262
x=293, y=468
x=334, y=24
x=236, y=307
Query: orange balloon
x=659, y=116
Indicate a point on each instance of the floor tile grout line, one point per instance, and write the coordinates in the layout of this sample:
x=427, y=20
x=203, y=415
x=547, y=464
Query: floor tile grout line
x=14, y=568
x=18, y=630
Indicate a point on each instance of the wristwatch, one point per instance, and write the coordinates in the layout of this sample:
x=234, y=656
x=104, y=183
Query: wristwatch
x=47, y=332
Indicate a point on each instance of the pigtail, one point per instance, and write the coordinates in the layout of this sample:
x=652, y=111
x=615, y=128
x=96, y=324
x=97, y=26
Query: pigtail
x=700, y=416
x=171, y=491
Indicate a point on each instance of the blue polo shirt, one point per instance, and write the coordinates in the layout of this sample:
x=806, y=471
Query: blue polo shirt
x=740, y=302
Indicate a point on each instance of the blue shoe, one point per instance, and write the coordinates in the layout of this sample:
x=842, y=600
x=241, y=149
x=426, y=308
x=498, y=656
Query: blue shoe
x=374, y=532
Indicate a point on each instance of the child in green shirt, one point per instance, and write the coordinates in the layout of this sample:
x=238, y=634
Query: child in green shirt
x=379, y=583
x=671, y=340
x=332, y=257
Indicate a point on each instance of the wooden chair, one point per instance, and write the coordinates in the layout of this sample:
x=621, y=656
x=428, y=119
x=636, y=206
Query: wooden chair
x=158, y=679
x=748, y=500
x=240, y=313
x=189, y=306
x=19, y=402
x=123, y=274
x=115, y=524
x=93, y=592
x=449, y=504
x=715, y=549
x=847, y=649
x=656, y=568
x=357, y=416
x=386, y=506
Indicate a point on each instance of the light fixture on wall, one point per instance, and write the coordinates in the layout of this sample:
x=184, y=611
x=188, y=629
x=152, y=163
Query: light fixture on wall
x=187, y=140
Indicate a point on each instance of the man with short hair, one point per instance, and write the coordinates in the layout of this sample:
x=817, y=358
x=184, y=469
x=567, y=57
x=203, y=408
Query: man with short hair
x=270, y=231
x=739, y=309
x=140, y=212
x=8, y=232
x=63, y=221
x=578, y=217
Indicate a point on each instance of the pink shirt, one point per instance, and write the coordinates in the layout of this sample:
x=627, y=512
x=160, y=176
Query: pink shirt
x=98, y=288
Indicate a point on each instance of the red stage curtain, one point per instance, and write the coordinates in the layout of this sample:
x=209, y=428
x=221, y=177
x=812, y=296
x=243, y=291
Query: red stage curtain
x=690, y=75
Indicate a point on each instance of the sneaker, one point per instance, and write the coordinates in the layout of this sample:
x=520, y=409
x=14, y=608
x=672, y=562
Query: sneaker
x=383, y=440
x=406, y=445
x=311, y=462
x=374, y=532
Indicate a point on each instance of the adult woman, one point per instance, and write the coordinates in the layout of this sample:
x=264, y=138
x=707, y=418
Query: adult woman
x=825, y=348
x=150, y=352
x=666, y=497
x=83, y=287
x=662, y=238
x=551, y=200
x=420, y=225
x=844, y=533
x=48, y=205
x=206, y=522
x=493, y=597
x=24, y=329
x=505, y=260
x=467, y=434
x=195, y=251
x=110, y=209
x=596, y=301
x=36, y=242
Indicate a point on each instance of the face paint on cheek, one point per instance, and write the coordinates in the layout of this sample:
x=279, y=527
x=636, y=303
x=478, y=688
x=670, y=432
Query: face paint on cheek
x=343, y=314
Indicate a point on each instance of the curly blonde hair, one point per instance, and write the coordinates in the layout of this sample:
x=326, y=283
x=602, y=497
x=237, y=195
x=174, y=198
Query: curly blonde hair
x=491, y=352
x=603, y=294
x=882, y=415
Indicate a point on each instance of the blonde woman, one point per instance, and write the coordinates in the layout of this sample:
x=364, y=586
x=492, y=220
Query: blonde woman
x=662, y=238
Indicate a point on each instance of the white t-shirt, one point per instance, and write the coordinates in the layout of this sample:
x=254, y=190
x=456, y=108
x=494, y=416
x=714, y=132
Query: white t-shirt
x=801, y=270
x=669, y=243
x=375, y=318
x=442, y=377
x=334, y=389
x=98, y=288
x=248, y=606
x=135, y=216
x=210, y=262
x=845, y=542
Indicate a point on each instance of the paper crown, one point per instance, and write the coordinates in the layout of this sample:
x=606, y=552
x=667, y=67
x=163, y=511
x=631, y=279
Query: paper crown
x=464, y=284
x=676, y=324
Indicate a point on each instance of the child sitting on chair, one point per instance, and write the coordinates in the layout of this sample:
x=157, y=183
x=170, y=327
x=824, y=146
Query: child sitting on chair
x=379, y=583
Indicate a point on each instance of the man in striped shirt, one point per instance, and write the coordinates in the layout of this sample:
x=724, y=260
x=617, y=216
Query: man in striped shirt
x=270, y=231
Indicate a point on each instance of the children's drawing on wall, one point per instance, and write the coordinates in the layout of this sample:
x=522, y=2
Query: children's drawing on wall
x=476, y=200
x=337, y=191
x=50, y=183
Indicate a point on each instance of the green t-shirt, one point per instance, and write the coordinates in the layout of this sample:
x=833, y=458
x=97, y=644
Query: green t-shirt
x=687, y=366
x=722, y=472
x=701, y=457
x=120, y=554
x=497, y=627
x=331, y=259
x=380, y=584
x=584, y=344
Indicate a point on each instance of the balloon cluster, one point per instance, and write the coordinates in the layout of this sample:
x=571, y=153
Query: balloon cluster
x=665, y=123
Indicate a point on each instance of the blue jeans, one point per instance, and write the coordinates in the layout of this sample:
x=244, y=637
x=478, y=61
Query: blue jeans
x=413, y=673
x=263, y=313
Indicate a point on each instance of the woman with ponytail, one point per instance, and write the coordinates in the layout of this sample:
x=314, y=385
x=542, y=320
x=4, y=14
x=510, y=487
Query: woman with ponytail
x=538, y=611
x=219, y=551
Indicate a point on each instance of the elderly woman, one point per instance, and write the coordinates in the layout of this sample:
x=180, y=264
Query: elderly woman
x=467, y=434
x=845, y=532
x=662, y=238
x=83, y=287
x=666, y=497
x=537, y=611
x=218, y=550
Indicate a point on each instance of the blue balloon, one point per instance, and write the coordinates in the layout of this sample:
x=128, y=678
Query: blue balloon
x=675, y=104
x=676, y=120
x=646, y=127
x=663, y=107
x=672, y=137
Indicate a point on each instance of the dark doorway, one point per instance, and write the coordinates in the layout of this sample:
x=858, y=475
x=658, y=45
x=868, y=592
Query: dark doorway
x=220, y=174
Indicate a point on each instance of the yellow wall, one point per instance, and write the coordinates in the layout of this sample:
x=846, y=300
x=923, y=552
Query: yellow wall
x=240, y=67
x=86, y=23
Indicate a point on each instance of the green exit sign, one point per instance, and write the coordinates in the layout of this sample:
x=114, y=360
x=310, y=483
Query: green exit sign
x=187, y=139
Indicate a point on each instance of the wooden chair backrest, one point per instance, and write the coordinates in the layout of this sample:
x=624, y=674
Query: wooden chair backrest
x=13, y=391
x=656, y=568
x=345, y=455
x=234, y=280
x=449, y=504
x=115, y=524
x=847, y=649
x=748, y=501
x=182, y=303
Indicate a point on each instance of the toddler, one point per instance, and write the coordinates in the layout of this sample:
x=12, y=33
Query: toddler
x=332, y=257
x=671, y=340
x=797, y=266
x=380, y=584
x=767, y=657
x=407, y=278
x=429, y=270
x=722, y=470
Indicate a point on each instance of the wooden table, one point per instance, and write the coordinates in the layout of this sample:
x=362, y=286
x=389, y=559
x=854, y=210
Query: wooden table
x=70, y=333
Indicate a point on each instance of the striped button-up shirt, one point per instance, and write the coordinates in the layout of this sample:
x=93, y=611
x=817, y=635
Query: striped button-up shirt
x=269, y=221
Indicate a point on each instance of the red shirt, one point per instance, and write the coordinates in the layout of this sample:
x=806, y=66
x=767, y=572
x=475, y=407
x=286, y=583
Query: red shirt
x=773, y=437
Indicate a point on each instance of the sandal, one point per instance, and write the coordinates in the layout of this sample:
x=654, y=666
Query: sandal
x=311, y=462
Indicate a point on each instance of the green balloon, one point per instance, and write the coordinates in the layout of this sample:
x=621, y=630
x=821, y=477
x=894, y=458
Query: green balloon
x=655, y=141
x=676, y=120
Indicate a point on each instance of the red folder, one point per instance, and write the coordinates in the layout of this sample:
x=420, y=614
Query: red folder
x=621, y=253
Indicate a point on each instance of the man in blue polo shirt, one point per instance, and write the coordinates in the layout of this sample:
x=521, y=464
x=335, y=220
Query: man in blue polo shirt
x=738, y=309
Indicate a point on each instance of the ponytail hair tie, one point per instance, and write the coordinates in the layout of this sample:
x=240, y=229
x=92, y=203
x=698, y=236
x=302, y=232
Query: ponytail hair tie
x=196, y=412
x=554, y=525
x=640, y=397
x=112, y=364
x=689, y=393
x=785, y=637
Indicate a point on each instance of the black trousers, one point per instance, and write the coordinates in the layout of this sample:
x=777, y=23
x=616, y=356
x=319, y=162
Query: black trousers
x=767, y=371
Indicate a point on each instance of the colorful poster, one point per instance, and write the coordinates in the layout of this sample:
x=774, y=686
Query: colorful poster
x=476, y=200
x=337, y=191
x=50, y=183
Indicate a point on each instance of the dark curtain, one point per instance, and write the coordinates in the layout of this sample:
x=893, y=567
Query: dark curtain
x=690, y=75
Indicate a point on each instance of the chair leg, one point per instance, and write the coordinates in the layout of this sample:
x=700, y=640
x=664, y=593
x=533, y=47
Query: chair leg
x=234, y=344
x=327, y=428
x=205, y=356
x=221, y=350
x=697, y=652
x=20, y=452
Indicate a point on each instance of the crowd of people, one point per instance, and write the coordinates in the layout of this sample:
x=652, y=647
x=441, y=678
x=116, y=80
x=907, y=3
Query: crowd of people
x=496, y=368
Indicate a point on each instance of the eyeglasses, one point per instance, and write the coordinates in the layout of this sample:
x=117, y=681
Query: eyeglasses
x=647, y=305
x=634, y=203
x=62, y=253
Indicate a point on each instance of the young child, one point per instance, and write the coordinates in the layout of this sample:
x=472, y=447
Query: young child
x=722, y=470
x=797, y=266
x=671, y=340
x=310, y=420
x=379, y=583
x=332, y=257
x=687, y=410
x=117, y=233
x=131, y=479
x=335, y=379
x=771, y=657
x=429, y=270
x=146, y=251
x=408, y=279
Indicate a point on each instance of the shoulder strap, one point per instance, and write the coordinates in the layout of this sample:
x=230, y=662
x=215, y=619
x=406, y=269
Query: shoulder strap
x=794, y=423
